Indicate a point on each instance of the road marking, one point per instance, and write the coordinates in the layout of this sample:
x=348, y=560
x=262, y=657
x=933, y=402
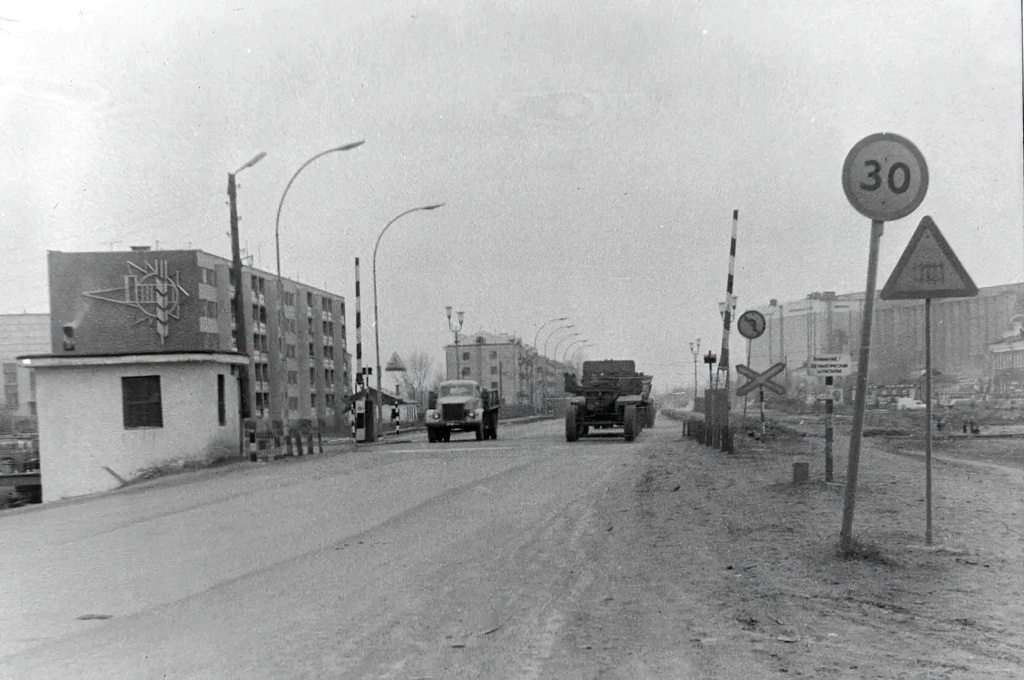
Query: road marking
x=468, y=448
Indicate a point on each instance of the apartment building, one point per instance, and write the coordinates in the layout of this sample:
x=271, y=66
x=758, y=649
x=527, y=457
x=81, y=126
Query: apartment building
x=21, y=334
x=161, y=301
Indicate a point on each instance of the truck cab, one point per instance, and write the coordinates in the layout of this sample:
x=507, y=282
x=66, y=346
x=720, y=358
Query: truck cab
x=462, y=405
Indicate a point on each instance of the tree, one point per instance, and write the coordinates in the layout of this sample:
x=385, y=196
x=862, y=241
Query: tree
x=419, y=376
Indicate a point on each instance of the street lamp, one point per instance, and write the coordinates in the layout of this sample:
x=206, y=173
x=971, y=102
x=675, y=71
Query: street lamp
x=695, y=351
x=376, y=320
x=547, y=339
x=561, y=340
x=572, y=357
x=565, y=355
x=237, y=301
x=533, y=367
x=455, y=329
x=280, y=286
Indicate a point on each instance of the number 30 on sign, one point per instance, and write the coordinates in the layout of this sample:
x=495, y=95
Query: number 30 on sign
x=885, y=177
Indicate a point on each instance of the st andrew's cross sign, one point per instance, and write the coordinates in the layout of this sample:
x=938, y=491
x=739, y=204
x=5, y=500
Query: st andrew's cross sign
x=760, y=379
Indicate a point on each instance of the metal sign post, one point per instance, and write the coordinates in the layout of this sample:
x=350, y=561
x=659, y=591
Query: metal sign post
x=928, y=268
x=751, y=325
x=885, y=178
x=829, y=366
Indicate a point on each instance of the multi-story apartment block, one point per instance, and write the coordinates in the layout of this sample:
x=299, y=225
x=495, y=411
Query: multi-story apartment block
x=502, y=362
x=21, y=334
x=148, y=301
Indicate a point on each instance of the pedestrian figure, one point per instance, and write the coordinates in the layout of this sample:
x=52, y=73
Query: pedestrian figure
x=965, y=426
x=939, y=424
x=974, y=428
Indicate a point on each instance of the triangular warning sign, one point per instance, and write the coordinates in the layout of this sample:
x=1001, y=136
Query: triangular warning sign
x=928, y=268
x=395, y=363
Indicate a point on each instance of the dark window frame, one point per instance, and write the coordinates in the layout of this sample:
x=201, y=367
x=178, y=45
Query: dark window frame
x=142, y=402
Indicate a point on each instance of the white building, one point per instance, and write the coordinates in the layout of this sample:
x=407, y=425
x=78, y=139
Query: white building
x=107, y=418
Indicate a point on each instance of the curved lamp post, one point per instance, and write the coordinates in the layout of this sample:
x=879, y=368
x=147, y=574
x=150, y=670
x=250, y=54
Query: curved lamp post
x=561, y=340
x=533, y=367
x=548, y=339
x=578, y=349
x=565, y=354
x=280, y=286
x=376, y=324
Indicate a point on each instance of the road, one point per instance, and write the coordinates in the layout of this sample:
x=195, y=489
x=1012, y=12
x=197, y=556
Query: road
x=407, y=560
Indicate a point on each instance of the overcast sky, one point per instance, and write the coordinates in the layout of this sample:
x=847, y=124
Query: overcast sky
x=590, y=153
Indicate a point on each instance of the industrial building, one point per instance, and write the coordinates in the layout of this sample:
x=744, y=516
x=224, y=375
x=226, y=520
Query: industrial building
x=967, y=334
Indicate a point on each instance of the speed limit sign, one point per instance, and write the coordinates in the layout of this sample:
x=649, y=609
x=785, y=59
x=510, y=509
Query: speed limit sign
x=885, y=177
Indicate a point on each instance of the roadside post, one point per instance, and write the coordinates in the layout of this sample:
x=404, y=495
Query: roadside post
x=829, y=366
x=751, y=325
x=928, y=269
x=885, y=178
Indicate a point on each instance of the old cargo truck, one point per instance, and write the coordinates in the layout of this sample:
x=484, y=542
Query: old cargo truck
x=462, y=405
x=611, y=394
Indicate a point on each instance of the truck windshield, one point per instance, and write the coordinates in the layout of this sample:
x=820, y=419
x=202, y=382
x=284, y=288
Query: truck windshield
x=457, y=391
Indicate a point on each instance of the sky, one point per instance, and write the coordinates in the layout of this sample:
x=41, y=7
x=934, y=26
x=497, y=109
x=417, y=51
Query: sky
x=589, y=153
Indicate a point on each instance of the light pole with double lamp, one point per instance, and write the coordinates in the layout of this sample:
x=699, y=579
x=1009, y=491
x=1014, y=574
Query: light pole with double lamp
x=547, y=377
x=455, y=328
x=565, y=354
x=376, y=319
x=283, y=373
x=695, y=351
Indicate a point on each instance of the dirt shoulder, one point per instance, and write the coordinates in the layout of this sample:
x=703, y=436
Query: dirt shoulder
x=725, y=563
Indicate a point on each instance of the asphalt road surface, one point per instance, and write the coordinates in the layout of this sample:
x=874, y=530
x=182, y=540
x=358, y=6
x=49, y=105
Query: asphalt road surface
x=406, y=560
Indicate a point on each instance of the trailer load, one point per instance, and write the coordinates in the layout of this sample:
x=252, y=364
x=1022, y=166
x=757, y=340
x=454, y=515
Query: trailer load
x=610, y=394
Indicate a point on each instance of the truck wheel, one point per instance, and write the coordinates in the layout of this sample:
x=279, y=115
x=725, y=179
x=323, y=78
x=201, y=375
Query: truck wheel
x=651, y=412
x=572, y=432
x=480, y=431
x=446, y=435
x=630, y=424
x=494, y=426
x=431, y=435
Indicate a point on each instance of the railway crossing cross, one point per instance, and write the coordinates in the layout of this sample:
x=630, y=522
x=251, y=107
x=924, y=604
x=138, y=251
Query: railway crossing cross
x=763, y=380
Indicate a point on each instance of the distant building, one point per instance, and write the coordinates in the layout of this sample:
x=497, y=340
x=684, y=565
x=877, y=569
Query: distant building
x=144, y=301
x=21, y=334
x=967, y=338
x=502, y=362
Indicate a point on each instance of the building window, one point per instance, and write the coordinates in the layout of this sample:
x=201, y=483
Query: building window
x=494, y=370
x=312, y=399
x=309, y=300
x=290, y=351
x=312, y=375
x=465, y=356
x=494, y=354
x=209, y=276
x=465, y=371
x=312, y=351
x=140, y=397
x=293, y=403
x=222, y=413
x=494, y=385
x=293, y=377
x=289, y=299
x=328, y=305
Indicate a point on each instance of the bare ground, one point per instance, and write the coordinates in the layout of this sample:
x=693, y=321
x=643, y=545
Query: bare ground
x=722, y=558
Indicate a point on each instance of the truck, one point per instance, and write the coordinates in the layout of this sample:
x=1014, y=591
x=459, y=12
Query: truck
x=611, y=394
x=464, y=406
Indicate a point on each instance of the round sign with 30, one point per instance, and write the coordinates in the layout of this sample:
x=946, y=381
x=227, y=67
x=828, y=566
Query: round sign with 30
x=885, y=177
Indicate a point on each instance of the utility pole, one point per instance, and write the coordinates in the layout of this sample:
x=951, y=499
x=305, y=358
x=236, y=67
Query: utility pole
x=237, y=301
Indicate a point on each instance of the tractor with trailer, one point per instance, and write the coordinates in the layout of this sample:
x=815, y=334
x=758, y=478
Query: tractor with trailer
x=464, y=406
x=611, y=394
